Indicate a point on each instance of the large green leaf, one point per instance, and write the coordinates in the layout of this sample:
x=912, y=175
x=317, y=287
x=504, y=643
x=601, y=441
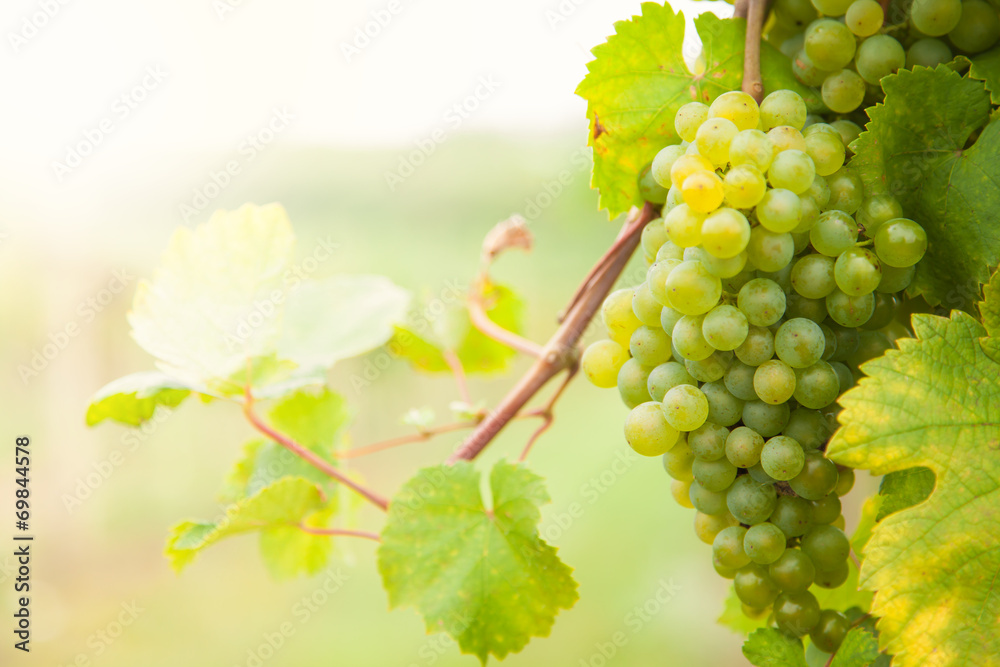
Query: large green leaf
x=859, y=649
x=935, y=403
x=986, y=66
x=133, y=399
x=989, y=307
x=482, y=575
x=917, y=151
x=639, y=79
x=768, y=647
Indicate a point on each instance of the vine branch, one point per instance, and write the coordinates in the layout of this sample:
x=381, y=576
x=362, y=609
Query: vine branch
x=419, y=436
x=340, y=532
x=490, y=329
x=752, y=83
x=559, y=352
x=546, y=413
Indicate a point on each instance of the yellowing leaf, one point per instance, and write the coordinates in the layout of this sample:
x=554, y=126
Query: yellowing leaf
x=133, y=399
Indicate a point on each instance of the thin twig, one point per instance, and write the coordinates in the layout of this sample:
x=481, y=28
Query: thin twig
x=547, y=414
x=420, y=436
x=490, y=329
x=340, y=532
x=559, y=352
x=752, y=83
x=455, y=364
x=306, y=454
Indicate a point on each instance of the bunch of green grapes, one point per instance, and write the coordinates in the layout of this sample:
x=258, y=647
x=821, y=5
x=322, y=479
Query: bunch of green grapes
x=843, y=46
x=771, y=278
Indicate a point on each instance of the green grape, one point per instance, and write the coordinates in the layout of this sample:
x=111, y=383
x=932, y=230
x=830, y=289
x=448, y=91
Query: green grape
x=935, y=17
x=743, y=447
x=728, y=547
x=691, y=289
x=826, y=546
x=800, y=307
x=725, y=327
x=829, y=44
x=847, y=342
x=723, y=408
x=819, y=191
x=713, y=139
x=774, y=382
x=711, y=369
x=876, y=210
x=653, y=236
x=786, y=138
x=900, y=242
x=783, y=107
x=707, y=502
x=739, y=381
x=894, y=279
x=751, y=148
x=799, y=342
x=793, y=572
x=714, y=475
x=834, y=232
x=780, y=210
x=766, y=419
x=667, y=376
x=724, y=572
x=602, y=361
x=879, y=56
x=830, y=630
x=751, y=502
x=744, y=186
x=689, y=118
x=708, y=441
x=681, y=492
x=782, y=458
x=683, y=225
x=686, y=165
x=707, y=526
x=834, y=578
x=819, y=127
x=817, y=386
x=764, y=543
x=662, y=163
x=649, y=189
x=762, y=301
x=850, y=311
x=817, y=479
x=754, y=587
x=688, y=339
x=723, y=267
x=806, y=71
x=650, y=346
x=703, y=192
x=830, y=346
x=845, y=482
x=678, y=460
x=758, y=347
x=792, y=170
x=645, y=306
x=793, y=515
x=632, y=383
x=737, y=107
x=795, y=13
x=759, y=476
x=808, y=427
x=848, y=130
x=735, y=284
x=669, y=249
x=826, y=509
x=864, y=17
x=846, y=190
x=797, y=613
x=647, y=431
x=843, y=91
x=668, y=318
x=673, y=197
x=813, y=276
x=782, y=278
x=619, y=320
x=844, y=376
x=927, y=52
x=857, y=271
x=832, y=7
x=826, y=150
x=770, y=251
x=810, y=214
x=725, y=233
x=871, y=344
x=685, y=407
x=801, y=239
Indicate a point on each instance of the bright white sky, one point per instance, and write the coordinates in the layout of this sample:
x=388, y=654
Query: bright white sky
x=229, y=63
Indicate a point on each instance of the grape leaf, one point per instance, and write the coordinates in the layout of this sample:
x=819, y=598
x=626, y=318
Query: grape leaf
x=639, y=79
x=133, y=399
x=917, y=152
x=904, y=488
x=285, y=503
x=989, y=307
x=289, y=551
x=935, y=402
x=986, y=67
x=768, y=647
x=733, y=617
x=482, y=575
x=424, y=341
x=859, y=649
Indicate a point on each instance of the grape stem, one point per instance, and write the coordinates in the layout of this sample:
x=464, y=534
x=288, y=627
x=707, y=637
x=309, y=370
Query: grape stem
x=481, y=320
x=752, y=83
x=455, y=364
x=309, y=456
x=420, y=436
x=560, y=352
x=340, y=532
x=546, y=413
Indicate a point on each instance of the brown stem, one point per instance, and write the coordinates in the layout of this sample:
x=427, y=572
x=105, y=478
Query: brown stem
x=547, y=414
x=420, y=436
x=340, y=532
x=558, y=352
x=752, y=84
x=306, y=454
x=455, y=364
x=740, y=9
x=489, y=328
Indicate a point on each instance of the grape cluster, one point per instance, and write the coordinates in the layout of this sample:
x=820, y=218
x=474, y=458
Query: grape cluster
x=771, y=278
x=844, y=47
